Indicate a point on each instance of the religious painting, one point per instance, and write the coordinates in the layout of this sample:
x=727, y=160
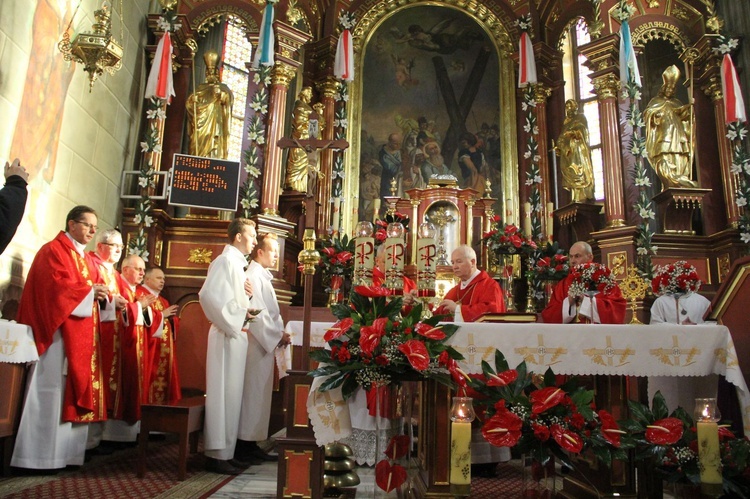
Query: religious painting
x=430, y=105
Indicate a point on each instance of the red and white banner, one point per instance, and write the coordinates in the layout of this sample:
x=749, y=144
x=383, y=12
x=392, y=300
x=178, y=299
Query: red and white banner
x=159, y=82
x=343, y=67
x=734, y=104
x=527, y=68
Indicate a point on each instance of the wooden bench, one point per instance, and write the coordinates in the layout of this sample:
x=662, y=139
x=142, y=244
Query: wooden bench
x=184, y=417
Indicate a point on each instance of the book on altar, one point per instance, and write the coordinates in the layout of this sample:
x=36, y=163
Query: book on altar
x=507, y=317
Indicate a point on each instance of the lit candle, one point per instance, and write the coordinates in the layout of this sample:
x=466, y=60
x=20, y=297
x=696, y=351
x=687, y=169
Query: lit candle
x=462, y=413
x=550, y=220
x=706, y=418
x=527, y=219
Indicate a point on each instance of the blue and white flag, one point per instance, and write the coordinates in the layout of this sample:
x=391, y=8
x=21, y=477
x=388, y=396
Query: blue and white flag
x=628, y=62
x=267, y=41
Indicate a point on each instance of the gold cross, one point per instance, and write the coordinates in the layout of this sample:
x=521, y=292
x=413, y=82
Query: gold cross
x=541, y=351
x=8, y=347
x=598, y=355
x=671, y=356
x=470, y=351
x=327, y=410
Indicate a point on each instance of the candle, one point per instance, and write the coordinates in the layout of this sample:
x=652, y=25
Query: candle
x=527, y=219
x=375, y=209
x=336, y=214
x=706, y=418
x=550, y=220
x=460, y=453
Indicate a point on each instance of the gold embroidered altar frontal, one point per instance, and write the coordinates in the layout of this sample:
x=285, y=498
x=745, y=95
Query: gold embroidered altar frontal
x=629, y=350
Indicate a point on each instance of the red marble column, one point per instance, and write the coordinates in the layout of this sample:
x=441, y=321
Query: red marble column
x=272, y=181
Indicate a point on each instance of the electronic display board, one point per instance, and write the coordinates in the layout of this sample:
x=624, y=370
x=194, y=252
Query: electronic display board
x=204, y=182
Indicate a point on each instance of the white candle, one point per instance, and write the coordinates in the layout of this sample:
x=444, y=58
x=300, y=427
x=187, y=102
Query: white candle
x=460, y=453
x=527, y=219
x=336, y=214
x=550, y=220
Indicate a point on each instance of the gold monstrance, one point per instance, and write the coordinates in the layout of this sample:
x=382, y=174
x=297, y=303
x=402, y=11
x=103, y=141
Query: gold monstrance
x=633, y=288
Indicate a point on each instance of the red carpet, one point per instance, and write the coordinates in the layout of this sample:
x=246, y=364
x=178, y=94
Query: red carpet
x=114, y=477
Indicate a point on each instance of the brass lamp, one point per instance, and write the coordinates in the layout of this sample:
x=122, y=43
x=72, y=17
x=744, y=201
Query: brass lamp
x=96, y=50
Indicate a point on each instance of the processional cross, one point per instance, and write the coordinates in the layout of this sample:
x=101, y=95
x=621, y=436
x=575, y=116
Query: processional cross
x=308, y=257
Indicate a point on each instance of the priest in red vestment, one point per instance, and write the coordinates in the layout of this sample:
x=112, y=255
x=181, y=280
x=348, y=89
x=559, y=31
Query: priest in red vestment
x=603, y=308
x=476, y=294
x=163, y=385
x=60, y=302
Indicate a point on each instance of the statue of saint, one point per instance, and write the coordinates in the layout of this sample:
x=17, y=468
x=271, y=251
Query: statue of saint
x=575, y=155
x=209, y=111
x=668, y=134
x=297, y=163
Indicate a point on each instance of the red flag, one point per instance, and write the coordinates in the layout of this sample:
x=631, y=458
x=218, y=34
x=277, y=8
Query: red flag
x=734, y=105
x=160, y=77
x=527, y=69
x=343, y=67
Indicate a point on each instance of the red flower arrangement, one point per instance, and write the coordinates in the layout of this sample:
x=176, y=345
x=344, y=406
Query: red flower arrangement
x=337, y=261
x=507, y=240
x=591, y=277
x=543, y=420
x=669, y=443
x=372, y=344
x=675, y=278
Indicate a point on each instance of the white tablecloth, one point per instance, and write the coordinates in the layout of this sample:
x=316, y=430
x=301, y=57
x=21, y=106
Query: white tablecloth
x=17, y=343
x=631, y=350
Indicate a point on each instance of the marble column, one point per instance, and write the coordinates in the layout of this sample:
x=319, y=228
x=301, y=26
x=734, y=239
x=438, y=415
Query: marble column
x=281, y=76
x=541, y=94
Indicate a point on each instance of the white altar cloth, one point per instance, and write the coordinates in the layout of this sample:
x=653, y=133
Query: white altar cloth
x=631, y=350
x=17, y=343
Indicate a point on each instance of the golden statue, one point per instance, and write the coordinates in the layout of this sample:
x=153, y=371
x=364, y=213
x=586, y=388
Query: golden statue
x=209, y=111
x=297, y=164
x=668, y=134
x=575, y=155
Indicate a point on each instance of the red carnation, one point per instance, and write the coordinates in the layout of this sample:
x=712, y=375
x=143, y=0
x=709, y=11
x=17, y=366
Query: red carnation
x=541, y=432
x=665, y=431
x=416, y=353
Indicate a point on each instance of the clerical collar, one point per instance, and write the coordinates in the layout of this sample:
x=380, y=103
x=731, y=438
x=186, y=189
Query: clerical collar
x=465, y=284
x=108, y=265
x=155, y=293
x=78, y=246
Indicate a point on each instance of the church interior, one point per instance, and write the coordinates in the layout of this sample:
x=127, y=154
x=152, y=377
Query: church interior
x=319, y=115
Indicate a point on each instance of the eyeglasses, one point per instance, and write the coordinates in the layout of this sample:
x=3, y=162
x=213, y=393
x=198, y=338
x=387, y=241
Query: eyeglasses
x=87, y=225
x=115, y=245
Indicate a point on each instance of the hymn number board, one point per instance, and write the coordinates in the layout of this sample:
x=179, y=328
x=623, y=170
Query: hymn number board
x=204, y=182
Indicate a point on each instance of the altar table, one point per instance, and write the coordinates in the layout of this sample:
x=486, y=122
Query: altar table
x=628, y=350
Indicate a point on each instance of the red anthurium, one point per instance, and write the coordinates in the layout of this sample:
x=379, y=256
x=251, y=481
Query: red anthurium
x=416, y=353
x=330, y=251
x=503, y=429
x=338, y=329
x=344, y=256
x=371, y=291
x=502, y=379
x=546, y=398
x=431, y=332
x=389, y=477
x=665, y=431
x=610, y=430
x=337, y=281
x=397, y=447
x=571, y=442
x=725, y=433
x=369, y=338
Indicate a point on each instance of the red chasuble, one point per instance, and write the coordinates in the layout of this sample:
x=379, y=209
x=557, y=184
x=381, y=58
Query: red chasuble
x=610, y=305
x=58, y=281
x=483, y=295
x=163, y=384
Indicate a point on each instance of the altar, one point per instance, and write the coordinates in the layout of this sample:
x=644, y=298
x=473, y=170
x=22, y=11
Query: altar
x=676, y=353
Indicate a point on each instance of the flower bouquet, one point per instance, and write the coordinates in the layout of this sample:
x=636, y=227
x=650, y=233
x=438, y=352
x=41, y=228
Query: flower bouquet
x=668, y=444
x=337, y=262
x=507, y=239
x=548, y=263
x=540, y=418
x=373, y=345
x=590, y=278
x=675, y=278
x=381, y=225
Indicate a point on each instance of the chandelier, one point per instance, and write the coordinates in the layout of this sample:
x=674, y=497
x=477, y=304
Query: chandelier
x=97, y=50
